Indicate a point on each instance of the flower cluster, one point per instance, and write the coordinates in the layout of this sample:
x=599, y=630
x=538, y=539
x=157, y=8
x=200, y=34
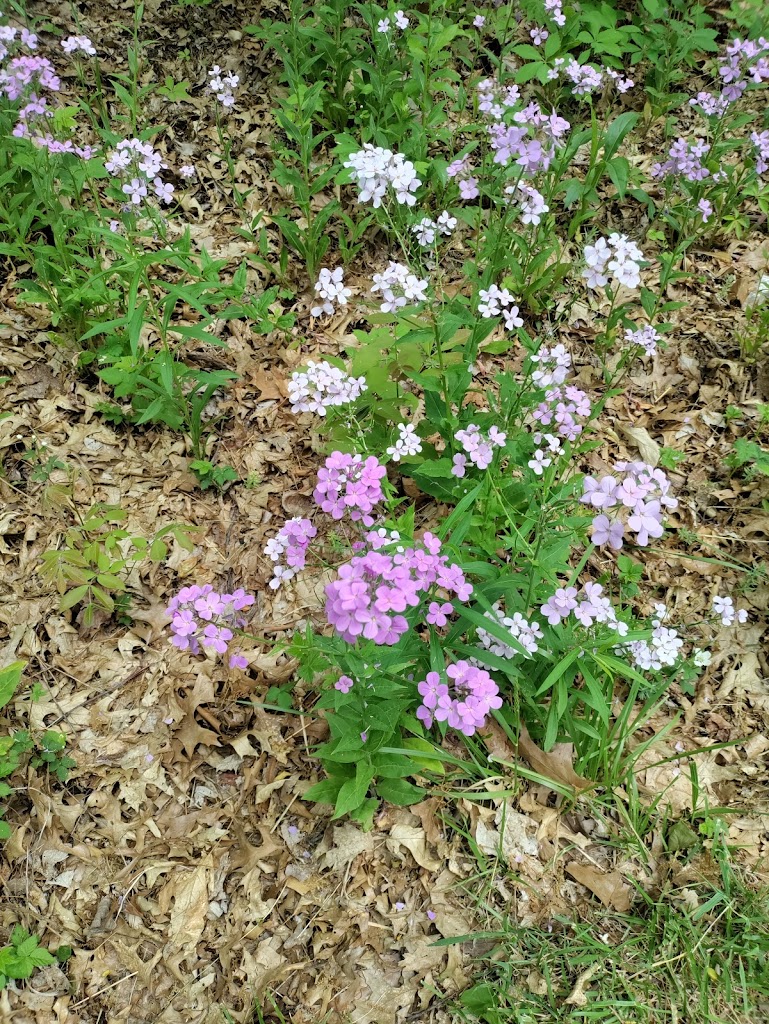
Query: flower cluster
x=407, y=444
x=588, y=606
x=322, y=386
x=427, y=230
x=724, y=608
x=531, y=203
x=34, y=119
x=462, y=170
x=78, y=44
x=684, y=160
x=479, y=448
x=13, y=37
x=201, y=616
x=619, y=255
x=140, y=165
x=638, y=489
x=375, y=169
x=26, y=76
x=350, y=483
x=496, y=301
x=223, y=85
x=378, y=585
x=527, y=634
x=330, y=288
x=514, y=142
x=553, y=365
x=554, y=9
x=662, y=649
x=292, y=542
x=494, y=99
x=647, y=337
x=542, y=456
x=398, y=287
x=760, y=142
x=585, y=78
x=399, y=19
x=564, y=407
x=464, y=702
x=743, y=62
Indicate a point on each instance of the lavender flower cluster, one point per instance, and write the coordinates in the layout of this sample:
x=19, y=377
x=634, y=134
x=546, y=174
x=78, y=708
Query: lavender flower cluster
x=350, y=483
x=24, y=79
x=322, y=386
x=292, y=541
x=684, y=160
x=462, y=170
x=478, y=447
x=427, y=229
x=139, y=165
x=495, y=301
x=223, y=85
x=647, y=337
x=200, y=616
x=464, y=702
x=743, y=62
x=588, y=606
x=564, y=407
x=637, y=489
x=379, y=584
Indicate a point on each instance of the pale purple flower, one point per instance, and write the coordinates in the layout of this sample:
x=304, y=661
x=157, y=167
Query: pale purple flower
x=344, y=684
x=559, y=605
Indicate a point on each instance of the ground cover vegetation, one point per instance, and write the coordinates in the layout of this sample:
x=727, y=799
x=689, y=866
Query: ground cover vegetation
x=383, y=449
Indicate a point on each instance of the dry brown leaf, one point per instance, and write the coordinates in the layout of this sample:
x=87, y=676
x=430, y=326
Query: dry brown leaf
x=555, y=764
x=577, y=996
x=609, y=886
x=644, y=442
x=414, y=840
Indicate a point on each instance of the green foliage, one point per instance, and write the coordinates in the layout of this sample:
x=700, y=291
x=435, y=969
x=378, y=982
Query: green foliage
x=19, y=959
x=220, y=477
x=749, y=454
x=90, y=571
x=19, y=748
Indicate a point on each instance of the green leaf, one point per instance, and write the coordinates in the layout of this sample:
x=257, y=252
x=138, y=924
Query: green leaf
x=619, y=172
x=354, y=791
x=9, y=680
x=326, y=791
x=399, y=792
x=74, y=597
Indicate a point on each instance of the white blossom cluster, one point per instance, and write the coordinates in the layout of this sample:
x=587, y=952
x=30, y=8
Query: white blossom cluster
x=322, y=386
x=724, y=608
x=663, y=648
x=526, y=633
x=398, y=286
x=407, y=444
x=496, y=301
x=223, y=85
x=330, y=288
x=617, y=254
x=399, y=19
x=376, y=168
x=427, y=230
